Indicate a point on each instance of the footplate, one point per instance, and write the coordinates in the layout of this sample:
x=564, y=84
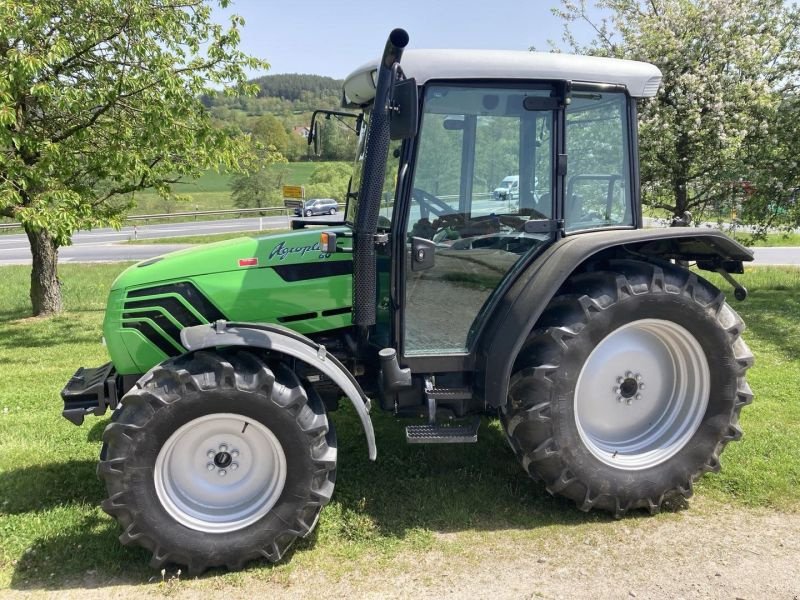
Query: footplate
x=465, y=433
x=90, y=391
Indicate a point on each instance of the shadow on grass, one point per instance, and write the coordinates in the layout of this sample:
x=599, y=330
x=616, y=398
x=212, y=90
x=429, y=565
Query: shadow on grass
x=411, y=488
x=55, y=328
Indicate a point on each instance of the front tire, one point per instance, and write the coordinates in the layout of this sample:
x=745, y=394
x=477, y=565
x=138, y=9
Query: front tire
x=308, y=213
x=216, y=459
x=629, y=388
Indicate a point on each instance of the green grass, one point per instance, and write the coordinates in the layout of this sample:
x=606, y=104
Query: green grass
x=773, y=240
x=211, y=191
x=54, y=536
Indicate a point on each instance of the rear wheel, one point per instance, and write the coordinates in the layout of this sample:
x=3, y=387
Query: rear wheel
x=216, y=459
x=629, y=388
x=333, y=211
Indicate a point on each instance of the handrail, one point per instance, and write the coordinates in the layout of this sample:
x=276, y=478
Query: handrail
x=278, y=210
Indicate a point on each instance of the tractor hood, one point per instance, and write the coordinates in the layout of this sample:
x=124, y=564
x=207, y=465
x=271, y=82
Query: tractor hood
x=282, y=278
x=229, y=255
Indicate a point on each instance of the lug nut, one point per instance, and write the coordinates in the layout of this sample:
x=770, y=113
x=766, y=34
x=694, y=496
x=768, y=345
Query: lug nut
x=234, y=466
x=222, y=472
x=616, y=390
x=234, y=453
x=210, y=467
x=628, y=402
x=628, y=375
x=641, y=386
x=619, y=398
x=638, y=396
x=211, y=454
x=620, y=379
x=223, y=447
x=638, y=377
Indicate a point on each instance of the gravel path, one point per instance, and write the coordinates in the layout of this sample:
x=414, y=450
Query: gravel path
x=706, y=551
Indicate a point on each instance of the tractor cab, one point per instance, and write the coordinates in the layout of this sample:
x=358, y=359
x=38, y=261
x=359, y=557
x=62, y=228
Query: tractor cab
x=566, y=124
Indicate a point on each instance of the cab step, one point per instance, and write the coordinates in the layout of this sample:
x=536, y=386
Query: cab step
x=461, y=433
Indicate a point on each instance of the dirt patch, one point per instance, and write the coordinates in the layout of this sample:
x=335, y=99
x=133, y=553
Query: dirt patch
x=708, y=551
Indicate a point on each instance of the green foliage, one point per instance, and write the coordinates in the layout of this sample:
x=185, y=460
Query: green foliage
x=726, y=111
x=98, y=98
x=269, y=130
x=259, y=188
x=329, y=180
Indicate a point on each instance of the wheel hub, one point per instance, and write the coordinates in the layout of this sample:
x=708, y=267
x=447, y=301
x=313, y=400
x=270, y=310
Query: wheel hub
x=220, y=472
x=658, y=398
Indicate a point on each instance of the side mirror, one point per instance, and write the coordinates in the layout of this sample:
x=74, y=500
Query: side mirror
x=404, y=109
x=314, y=138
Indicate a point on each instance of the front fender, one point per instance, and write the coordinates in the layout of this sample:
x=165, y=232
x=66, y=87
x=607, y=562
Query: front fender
x=518, y=310
x=290, y=343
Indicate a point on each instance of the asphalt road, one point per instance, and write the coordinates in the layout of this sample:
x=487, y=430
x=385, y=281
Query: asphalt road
x=104, y=245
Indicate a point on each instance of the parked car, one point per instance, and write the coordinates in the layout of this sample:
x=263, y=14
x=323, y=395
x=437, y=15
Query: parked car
x=318, y=206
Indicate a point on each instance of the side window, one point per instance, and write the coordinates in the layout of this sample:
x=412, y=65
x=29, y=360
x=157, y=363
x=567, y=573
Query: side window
x=598, y=180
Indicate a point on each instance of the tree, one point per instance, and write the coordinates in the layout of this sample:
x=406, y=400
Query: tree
x=98, y=99
x=727, y=66
x=329, y=181
x=269, y=131
x=261, y=185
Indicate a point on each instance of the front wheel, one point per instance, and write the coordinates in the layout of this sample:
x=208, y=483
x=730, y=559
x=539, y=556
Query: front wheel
x=333, y=211
x=216, y=459
x=629, y=388
x=308, y=213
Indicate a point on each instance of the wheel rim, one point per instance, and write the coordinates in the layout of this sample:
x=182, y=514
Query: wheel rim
x=642, y=393
x=220, y=472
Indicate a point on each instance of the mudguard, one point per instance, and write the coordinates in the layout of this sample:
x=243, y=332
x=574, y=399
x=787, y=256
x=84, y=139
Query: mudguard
x=516, y=313
x=285, y=341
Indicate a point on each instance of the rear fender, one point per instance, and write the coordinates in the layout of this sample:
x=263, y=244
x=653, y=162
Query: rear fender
x=517, y=312
x=290, y=343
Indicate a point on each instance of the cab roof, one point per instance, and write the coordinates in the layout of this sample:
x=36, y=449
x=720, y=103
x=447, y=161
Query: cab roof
x=639, y=78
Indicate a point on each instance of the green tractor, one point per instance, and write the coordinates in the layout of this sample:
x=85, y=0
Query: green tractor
x=618, y=374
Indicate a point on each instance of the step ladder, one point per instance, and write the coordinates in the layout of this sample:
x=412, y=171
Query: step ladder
x=443, y=433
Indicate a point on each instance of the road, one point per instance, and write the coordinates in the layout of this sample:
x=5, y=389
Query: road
x=104, y=245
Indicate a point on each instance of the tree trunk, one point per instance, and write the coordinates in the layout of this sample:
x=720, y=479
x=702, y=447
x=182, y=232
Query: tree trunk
x=45, y=286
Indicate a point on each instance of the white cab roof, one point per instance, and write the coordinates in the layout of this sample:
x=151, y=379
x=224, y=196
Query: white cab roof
x=641, y=79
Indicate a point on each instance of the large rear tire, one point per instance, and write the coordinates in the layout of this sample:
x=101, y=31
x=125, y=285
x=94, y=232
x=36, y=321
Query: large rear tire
x=216, y=458
x=629, y=388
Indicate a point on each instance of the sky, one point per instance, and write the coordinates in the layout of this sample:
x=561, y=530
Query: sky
x=335, y=37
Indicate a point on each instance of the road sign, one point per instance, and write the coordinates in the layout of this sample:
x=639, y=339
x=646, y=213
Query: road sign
x=294, y=191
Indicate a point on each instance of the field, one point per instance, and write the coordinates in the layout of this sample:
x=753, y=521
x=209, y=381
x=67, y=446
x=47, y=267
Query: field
x=465, y=510
x=211, y=192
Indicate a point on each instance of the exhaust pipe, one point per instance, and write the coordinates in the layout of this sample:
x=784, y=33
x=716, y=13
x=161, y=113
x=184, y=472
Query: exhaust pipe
x=369, y=193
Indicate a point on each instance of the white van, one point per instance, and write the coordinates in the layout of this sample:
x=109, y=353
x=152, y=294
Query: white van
x=508, y=188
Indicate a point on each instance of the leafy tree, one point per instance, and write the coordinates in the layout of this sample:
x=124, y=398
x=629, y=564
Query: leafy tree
x=98, y=99
x=262, y=185
x=329, y=181
x=269, y=130
x=717, y=120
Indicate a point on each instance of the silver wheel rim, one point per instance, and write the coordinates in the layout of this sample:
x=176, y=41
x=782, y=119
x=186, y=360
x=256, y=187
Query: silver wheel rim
x=220, y=473
x=642, y=393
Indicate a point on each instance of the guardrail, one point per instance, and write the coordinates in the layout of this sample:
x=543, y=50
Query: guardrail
x=277, y=211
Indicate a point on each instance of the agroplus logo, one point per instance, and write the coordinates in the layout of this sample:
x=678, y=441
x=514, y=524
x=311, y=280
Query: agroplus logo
x=282, y=251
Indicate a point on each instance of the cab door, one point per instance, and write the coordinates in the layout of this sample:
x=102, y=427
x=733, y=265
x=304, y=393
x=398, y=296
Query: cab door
x=461, y=242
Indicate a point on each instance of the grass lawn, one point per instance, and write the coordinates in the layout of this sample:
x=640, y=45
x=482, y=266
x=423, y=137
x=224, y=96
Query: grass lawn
x=211, y=191
x=53, y=534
